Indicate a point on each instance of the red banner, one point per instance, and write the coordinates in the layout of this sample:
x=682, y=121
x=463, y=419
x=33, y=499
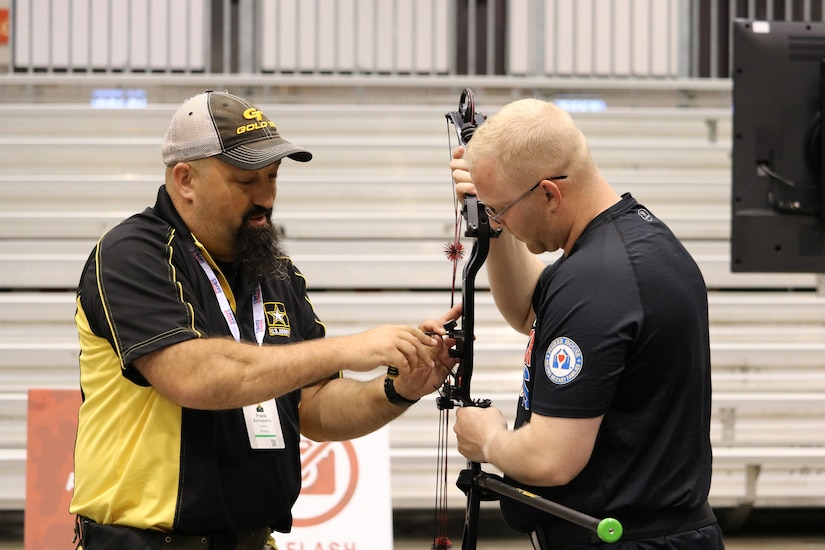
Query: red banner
x=4, y=26
x=52, y=424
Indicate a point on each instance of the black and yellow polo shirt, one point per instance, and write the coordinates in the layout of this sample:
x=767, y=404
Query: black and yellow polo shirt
x=141, y=460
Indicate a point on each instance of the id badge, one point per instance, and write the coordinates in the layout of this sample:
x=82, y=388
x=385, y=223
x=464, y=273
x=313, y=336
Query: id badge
x=263, y=425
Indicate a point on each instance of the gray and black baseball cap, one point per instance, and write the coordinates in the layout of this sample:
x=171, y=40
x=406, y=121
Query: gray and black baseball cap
x=219, y=124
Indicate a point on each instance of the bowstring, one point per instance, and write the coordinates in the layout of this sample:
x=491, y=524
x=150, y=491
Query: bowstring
x=454, y=251
x=440, y=539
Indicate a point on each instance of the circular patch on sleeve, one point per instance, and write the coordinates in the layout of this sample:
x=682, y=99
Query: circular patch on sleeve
x=563, y=360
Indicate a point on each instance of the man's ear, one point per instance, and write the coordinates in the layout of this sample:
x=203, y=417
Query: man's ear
x=552, y=193
x=182, y=175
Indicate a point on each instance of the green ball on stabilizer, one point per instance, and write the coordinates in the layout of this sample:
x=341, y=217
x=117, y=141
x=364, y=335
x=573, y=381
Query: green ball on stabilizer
x=609, y=530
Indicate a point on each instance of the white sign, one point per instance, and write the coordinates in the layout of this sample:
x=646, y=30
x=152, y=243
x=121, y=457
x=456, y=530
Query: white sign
x=345, y=501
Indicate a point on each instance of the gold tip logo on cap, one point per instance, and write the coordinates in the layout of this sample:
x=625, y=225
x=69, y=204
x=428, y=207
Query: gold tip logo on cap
x=254, y=114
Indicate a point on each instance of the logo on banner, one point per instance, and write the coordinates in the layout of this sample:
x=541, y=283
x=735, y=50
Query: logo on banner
x=329, y=476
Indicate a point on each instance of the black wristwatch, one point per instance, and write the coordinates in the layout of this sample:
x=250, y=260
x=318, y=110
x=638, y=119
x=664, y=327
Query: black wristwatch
x=393, y=397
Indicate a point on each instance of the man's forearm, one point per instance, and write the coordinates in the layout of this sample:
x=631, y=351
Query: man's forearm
x=513, y=272
x=343, y=408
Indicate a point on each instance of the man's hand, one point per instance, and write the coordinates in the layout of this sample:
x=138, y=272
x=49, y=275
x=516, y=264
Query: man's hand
x=461, y=175
x=475, y=429
x=421, y=380
x=400, y=346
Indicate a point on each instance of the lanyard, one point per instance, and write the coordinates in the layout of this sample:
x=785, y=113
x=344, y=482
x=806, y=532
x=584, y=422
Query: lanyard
x=226, y=309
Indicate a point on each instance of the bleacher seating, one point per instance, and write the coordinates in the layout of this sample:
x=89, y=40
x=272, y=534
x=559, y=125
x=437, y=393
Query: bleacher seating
x=366, y=221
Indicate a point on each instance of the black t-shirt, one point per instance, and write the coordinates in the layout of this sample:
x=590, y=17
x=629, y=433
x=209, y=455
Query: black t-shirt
x=622, y=331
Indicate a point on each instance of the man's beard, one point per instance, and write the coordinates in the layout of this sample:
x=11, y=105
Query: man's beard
x=259, y=251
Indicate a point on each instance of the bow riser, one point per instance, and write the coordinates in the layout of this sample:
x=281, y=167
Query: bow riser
x=465, y=120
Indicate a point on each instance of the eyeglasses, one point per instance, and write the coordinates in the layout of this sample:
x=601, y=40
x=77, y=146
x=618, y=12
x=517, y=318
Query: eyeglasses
x=491, y=213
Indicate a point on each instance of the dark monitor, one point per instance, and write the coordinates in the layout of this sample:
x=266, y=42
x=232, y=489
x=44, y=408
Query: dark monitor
x=778, y=217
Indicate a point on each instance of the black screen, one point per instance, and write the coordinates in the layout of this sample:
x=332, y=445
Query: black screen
x=777, y=202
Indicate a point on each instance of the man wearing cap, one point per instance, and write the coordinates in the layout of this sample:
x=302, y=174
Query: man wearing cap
x=188, y=434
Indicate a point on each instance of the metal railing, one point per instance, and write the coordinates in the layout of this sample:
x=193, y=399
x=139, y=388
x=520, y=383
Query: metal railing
x=596, y=39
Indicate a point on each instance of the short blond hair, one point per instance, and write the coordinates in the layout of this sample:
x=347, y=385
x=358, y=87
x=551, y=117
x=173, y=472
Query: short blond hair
x=529, y=139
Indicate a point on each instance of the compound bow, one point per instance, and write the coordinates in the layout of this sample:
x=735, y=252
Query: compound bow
x=476, y=484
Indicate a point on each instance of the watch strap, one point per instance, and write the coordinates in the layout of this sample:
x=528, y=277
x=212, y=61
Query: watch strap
x=393, y=396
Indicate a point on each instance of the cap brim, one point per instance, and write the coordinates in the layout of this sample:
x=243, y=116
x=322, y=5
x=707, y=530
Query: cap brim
x=259, y=154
